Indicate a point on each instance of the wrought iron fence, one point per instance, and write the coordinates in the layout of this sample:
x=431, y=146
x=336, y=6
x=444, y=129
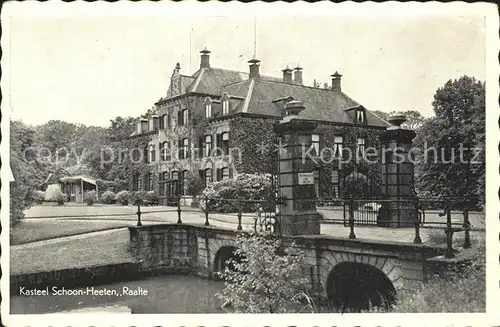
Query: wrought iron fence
x=451, y=215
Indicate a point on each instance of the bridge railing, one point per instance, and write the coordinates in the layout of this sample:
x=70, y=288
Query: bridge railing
x=451, y=215
x=249, y=214
x=416, y=213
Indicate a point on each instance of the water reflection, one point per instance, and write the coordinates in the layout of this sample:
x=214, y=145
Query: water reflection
x=166, y=294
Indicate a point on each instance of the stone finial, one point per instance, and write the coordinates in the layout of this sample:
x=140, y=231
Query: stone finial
x=294, y=107
x=397, y=120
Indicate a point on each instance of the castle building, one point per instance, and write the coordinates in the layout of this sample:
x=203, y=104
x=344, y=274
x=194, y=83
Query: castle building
x=217, y=123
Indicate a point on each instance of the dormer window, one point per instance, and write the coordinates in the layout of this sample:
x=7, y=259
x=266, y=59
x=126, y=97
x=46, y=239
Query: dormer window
x=208, y=110
x=360, y=115
x=225, y=107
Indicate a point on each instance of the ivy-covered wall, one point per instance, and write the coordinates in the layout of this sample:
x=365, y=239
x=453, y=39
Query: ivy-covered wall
x=350, y=134
x=133, y=166
x=246, y=134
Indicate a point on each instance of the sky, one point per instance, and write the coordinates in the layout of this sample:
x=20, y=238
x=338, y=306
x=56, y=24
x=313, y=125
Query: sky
x=89, y=69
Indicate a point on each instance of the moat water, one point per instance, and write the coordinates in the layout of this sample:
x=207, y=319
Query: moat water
x=165, y=294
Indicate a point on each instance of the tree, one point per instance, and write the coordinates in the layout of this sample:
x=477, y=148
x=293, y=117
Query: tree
x=267, y=279
x=459, y=124
x=28, y=173
x=121, y=128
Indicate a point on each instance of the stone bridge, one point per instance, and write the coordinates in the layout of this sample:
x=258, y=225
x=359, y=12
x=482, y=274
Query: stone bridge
x=329, y=262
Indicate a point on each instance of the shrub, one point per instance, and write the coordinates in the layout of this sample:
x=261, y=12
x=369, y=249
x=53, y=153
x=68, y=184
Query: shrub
x=151, y=197
x=123, y=197
x=38, y=196
x=138, y=197
x=90, y=197
x=195, y=185
x=244, y=187
x=462, y=290
x=108, y=197
x=254, y=279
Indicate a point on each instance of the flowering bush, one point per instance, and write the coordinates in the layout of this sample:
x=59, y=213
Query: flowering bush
x=108, y=197
x=90, y=197
x=123, y=197
x=224, y=195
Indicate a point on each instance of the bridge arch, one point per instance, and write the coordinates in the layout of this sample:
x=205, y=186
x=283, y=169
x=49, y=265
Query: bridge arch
x=223, y=259
x=356, y=286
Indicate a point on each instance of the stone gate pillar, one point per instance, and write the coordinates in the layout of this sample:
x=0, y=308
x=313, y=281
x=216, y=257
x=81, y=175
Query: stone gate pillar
x=397, y=175
x=298, y=215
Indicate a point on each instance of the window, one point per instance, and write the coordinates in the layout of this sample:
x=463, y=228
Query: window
x=208, y=176
x=165, y=151
x=334, y=185
x=148, y=181
x=337, y=145
x=175, y=175
x=225, y=107
x=185, y=182
x=152, y=153
x=173, y=121
x=225, y=172
x=169, y=120
x=146, y=154
x=183, y=148
x=360, y=116
x=360, y=148
x=185, y=145
x=155, y=123
x=162, y=122
x=185, y=117
x=151, y=180
x=208, y=145
x=161, y=183
x=136, y=182
x=225, y=143
x=208, y=110
x=315, y=143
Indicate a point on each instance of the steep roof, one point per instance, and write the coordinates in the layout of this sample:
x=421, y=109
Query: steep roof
x=213, y=80
x=320, y=104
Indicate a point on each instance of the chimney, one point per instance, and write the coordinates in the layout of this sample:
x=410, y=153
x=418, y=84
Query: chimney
x=336, y=77
x=298, y=75
x=254, y=68
x=287, y=75
x=205, y=58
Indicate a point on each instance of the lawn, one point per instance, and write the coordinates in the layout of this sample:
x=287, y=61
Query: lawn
x=42, y=229
x=50, y=210
x=98, y=249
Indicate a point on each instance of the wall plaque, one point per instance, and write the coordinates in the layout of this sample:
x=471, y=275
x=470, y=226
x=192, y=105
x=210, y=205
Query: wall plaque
x=306, y=178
